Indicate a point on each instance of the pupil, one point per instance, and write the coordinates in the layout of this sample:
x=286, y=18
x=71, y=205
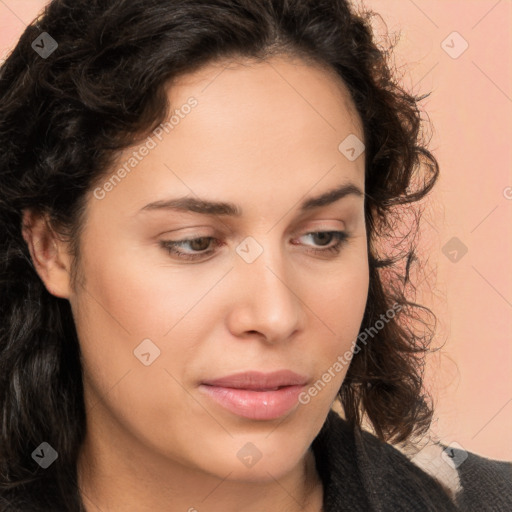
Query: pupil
x=324, y=235
x=198, y=242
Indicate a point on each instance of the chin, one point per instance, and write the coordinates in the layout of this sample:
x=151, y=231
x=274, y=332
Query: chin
x=260, y=460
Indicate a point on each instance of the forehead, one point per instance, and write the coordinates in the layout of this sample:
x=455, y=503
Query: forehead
x=277, y=83
x=258, y=131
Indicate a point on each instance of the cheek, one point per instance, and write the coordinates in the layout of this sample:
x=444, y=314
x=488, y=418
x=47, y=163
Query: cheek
x=339, y=303
x=339, y=296
x=121, y=317
x=119, y=311
x=136, y=297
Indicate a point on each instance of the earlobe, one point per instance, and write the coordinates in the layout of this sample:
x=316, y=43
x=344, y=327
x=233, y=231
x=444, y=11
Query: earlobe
x=49, y=258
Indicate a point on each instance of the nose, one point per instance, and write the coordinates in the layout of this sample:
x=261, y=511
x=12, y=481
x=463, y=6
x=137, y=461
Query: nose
x=265, y=299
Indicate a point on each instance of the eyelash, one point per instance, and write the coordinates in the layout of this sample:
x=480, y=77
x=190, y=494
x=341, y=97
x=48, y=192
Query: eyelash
x=170, y=246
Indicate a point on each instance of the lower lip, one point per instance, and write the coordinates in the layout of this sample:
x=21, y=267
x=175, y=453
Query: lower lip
x=255, y=405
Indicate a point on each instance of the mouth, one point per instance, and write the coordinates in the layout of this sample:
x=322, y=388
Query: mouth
x=256, y=395
x=255, y=404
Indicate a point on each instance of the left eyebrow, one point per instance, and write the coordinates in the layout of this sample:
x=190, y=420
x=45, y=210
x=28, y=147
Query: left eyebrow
x=206, y=207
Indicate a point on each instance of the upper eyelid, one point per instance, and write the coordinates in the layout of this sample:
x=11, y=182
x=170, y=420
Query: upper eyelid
x=322, y=226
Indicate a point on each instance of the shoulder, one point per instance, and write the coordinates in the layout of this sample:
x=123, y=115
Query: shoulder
x=436, y=476
x=382, y=477
x=486, y=483
x=475, y=483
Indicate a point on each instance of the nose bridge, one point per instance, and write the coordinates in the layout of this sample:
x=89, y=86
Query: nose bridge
x=263, y=260
x=267, y=296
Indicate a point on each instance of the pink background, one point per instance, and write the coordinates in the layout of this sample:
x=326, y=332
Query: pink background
x=470, y=109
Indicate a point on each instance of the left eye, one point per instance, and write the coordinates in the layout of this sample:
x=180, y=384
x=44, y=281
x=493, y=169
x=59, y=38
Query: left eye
x=201, y=244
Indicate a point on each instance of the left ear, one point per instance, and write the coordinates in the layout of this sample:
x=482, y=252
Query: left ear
x=49, y=255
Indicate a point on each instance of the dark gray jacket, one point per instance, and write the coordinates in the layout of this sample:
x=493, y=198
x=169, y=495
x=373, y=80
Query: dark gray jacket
x=362, y=473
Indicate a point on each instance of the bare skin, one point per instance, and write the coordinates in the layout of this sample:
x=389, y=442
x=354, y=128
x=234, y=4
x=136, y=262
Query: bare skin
x=264, y=136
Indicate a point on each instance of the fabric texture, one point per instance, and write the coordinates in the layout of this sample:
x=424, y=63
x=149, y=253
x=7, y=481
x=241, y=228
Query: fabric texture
x=361, y=473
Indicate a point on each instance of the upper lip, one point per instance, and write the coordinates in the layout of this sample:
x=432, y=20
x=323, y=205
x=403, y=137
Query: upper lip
x=259, y=380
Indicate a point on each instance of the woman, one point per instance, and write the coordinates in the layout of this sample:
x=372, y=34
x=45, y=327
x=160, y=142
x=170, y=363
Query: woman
x=196, y=200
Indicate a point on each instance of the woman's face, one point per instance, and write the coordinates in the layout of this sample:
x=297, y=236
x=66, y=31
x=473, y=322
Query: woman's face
x=154, y=326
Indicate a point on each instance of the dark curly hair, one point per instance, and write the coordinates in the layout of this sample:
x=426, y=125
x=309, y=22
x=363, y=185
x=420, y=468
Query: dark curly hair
x=63, y=120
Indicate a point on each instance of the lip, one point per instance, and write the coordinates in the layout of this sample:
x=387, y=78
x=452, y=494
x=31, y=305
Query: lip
x=255, y=380
x=254, y=395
